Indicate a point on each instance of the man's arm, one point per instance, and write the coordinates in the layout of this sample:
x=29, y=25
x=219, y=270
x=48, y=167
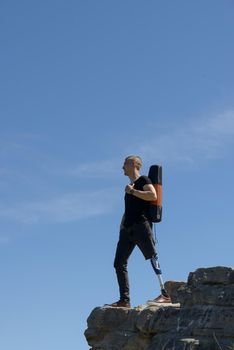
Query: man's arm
x=148, y=193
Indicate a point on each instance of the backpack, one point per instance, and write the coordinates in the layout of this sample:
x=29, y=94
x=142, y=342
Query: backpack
x=155, y=207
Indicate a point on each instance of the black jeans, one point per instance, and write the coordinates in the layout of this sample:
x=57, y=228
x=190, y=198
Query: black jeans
x=139, y=234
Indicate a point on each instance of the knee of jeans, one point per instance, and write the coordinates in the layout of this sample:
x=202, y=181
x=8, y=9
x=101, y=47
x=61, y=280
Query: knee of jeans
x=120, y=266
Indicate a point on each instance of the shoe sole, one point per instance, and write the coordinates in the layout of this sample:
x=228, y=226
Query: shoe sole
x=152, y=303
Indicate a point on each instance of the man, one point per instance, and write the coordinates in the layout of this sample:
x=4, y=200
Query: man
x=136, y=229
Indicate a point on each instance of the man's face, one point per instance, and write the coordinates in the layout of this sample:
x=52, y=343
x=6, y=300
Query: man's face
x=128, y=166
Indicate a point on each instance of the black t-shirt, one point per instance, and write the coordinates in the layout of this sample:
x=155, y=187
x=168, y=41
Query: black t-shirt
x=136, y=208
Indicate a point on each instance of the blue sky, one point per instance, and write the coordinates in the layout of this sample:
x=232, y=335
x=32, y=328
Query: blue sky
x=84, y=84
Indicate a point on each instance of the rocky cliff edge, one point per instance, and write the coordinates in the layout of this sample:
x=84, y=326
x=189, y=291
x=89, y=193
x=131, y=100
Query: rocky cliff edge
x=201, y=317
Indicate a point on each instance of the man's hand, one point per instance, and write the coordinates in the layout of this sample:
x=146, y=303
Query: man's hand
x=128, y=188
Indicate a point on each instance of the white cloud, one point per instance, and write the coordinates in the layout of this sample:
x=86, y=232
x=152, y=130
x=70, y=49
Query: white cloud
x=97, y=169
x=207, y=138
x=223, y=124
x=202, y=140
x=67, y=208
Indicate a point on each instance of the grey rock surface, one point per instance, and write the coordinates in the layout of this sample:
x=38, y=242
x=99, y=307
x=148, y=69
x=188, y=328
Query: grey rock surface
x=203, y=320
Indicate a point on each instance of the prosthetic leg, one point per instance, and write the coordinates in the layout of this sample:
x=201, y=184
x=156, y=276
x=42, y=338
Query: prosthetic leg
x=157, y=270
x=164, y=297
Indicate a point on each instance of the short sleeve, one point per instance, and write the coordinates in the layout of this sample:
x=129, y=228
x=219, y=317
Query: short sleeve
x=142, y=181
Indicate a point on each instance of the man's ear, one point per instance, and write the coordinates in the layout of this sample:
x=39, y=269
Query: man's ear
x=136, y=165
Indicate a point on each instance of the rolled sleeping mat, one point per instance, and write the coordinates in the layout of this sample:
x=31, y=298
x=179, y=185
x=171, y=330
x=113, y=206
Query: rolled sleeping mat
x=155, y=207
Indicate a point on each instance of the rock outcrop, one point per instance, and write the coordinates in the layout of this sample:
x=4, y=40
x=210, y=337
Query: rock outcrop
x=201, y=317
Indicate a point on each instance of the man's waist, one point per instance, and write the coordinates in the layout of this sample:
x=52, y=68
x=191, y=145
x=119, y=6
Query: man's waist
x=136, y=219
